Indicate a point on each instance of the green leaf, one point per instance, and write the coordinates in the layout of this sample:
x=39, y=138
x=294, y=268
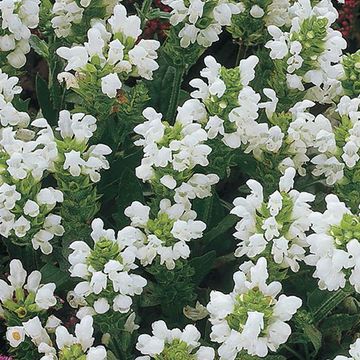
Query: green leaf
x=202, y=265
x=39, y=46
x=303, y=323
x=110, y=356
x=164, y=89
x=129, y=190
x=323, y=302
x=149, y=297
x=20, y=104
x=210, y=210
x=110, y=180
x=52, y=274
x=46, y=105
x=342, y=322
x=224, y=225
x=314, y=335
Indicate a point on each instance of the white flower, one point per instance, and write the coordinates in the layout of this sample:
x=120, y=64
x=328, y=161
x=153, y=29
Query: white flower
x=78, y=126
x=15, y=335
x=257, y=12
x=9, y=86
x=190, y=13
x=31, y=208
x=110, y=84
x=73, y=162
x=167, y=234
x=113, y=44
x=261, y=329
x=76, y=56
x=45, y=296
x=37, y=333
x=331, y=253
x=173, y=343
x=280, y=224
x=100, y=269
x=8, y=196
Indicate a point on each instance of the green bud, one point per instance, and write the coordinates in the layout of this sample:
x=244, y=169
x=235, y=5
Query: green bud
x=74, y=352
x=248, y=30
x=177, y=350
x=312, y=36
x=351, y=80
x=21, y=312
x=19, y=294
x=171, y=133
x=348, y=229
x=104, y=251
x=161, y=227
x=253, y=300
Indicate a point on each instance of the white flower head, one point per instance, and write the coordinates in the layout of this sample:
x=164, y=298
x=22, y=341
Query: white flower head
x=238, y=325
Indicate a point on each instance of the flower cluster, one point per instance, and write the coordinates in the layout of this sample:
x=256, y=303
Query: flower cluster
x=235, y=114
x=199, y=21
x=25, y=206
x=173, y=344
x=277, y=227
x=76, y=156
x=106, y=271
x=111, y=54
x=335, y=247
x=171, y=152
x=24, y=297
x=166, y=235
x=9, y=115
x=67, y=346
x=68, y=14
x=251, y=317
x=231, y=104
x=17, y=18
x=311, y=50
x=250, y=26
x=338, y=147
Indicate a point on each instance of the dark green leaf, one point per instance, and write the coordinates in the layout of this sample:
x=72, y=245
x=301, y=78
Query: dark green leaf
x=314, y=335
x=20, y=104
x=39, y=46
x=224, y=225
x=202, y=265
x=52, y=274
x=149, y=297
x=129, y=190
x=46, y=105
x=322, y=302
x=341, y=322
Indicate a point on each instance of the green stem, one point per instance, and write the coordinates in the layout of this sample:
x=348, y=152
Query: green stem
x=290, y=350
x=337, y=298
x=223, y=260
x=238, y=56
x=115, y=348
x=175, y=93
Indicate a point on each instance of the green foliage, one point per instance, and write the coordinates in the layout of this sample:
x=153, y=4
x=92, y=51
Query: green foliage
x=351, y=81
x=248, y=30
